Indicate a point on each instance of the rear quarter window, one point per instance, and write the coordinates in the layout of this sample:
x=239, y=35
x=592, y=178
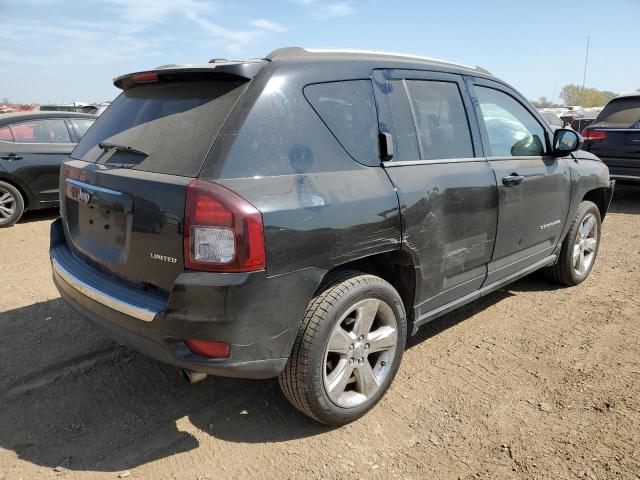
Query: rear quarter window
x=621, y=113
x=5, y=134
x=347, y=108
x=174, y=123
x=81, y=125
x=41, y=131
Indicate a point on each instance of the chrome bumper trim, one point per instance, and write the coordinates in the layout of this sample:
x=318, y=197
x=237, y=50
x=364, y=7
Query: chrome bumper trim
x=613, y=176
x=141, y=313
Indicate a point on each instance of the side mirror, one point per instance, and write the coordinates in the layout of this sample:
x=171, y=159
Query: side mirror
x=566, y=141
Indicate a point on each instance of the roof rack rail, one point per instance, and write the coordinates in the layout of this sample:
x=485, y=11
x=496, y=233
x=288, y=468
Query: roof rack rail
x=299, y=51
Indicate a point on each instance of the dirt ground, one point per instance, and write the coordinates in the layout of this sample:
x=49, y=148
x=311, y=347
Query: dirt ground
x=533, y=382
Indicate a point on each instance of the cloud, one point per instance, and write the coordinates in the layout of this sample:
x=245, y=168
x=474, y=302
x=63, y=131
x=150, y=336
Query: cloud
x=234, y=41
x=117, y=35
x=65, y=45
x=267, y=25
x=141, y=14
x=333, y=10
x=324, y=11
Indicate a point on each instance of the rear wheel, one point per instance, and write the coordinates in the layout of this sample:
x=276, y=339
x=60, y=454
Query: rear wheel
x=348, y=349
x=11, y=205
x=579, y=248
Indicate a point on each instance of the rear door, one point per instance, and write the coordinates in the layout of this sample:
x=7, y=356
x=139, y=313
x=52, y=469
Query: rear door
x=446, y=188
x=123, y=210
x=534, y=188
x=615, y=137
x=39, y=147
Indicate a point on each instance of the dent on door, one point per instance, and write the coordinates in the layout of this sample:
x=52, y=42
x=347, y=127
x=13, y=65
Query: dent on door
x=449, y=215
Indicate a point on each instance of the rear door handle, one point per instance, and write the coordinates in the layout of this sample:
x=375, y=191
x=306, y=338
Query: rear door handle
x=512, y=180
x=11, y=156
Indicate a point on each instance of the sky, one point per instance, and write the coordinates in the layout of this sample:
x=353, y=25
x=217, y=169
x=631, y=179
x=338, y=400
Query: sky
x=64, y=50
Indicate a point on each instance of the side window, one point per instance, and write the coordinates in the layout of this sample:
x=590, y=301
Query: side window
x=429, y=120
x=41, y=131
x=441, y=121
x=348, y=109
x=5, y=134
x=81, y=125
x=404, y=129
x=512, y=130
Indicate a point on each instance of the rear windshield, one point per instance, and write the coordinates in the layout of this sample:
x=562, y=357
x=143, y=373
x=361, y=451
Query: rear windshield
x=173, y=123
x=622, y=113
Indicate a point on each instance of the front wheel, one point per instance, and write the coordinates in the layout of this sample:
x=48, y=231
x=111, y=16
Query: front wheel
x=579, y=248
x=348, y=349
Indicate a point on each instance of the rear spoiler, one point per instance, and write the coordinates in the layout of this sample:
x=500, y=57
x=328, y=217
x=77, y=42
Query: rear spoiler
x=217, y=70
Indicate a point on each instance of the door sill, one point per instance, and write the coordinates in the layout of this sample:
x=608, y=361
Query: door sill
x=433, y=314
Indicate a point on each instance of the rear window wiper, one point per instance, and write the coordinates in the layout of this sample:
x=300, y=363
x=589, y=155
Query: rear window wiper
x=121, y=148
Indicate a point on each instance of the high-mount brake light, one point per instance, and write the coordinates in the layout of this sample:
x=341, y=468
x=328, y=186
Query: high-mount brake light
x=145, y=77
x=222, y=231
x=589, y=134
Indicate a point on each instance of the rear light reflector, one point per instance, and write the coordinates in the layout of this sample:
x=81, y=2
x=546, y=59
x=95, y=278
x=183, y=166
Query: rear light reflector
x=588, y=134
x=208, y=349
x=213, y=245
x=222, y=231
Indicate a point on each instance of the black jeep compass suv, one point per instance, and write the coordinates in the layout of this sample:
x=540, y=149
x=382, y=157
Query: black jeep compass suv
x=299, y=216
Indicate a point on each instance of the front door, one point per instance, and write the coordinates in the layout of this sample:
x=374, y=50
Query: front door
x=534, y=188
x=446, y=188
x=38, y=149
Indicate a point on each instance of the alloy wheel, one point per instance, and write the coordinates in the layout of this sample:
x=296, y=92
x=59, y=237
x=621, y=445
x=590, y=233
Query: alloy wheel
x=7, y=205
x=360, y=353
x=585, y=246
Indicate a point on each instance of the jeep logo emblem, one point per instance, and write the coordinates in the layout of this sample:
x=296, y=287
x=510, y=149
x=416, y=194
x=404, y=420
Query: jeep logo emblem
x=84, y=197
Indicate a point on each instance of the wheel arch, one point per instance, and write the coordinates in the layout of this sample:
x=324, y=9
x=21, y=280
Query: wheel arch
x=396, y=267
x=24, y=191
x=600, y=198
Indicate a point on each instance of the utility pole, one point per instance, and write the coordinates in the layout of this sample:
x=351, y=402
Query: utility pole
x=586, y=60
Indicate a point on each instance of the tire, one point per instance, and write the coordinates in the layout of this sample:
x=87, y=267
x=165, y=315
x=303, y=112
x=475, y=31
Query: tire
x=580, y=244
x=338, y=382
x=11, y=205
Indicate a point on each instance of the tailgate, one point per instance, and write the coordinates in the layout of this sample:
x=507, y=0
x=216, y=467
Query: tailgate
x=124, y=222
x=123, y=190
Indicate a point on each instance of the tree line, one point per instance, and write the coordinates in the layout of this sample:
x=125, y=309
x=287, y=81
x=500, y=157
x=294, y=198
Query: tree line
x=575, y=95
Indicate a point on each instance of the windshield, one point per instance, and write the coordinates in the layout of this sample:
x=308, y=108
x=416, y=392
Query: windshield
x=173, y=123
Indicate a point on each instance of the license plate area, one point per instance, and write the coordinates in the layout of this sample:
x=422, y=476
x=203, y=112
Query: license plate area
x=99, y=221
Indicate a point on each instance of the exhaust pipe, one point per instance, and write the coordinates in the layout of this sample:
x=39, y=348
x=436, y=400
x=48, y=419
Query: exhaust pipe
x=192, y=376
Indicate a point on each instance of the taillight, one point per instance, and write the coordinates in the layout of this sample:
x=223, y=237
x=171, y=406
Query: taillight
x=588, y=134
x=222, y=231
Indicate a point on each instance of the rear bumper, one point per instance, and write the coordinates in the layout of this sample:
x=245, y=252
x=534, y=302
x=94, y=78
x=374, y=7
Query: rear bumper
x=257, y=315
x=623, y=169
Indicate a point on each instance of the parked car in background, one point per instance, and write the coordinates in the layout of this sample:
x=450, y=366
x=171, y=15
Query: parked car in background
x=32, y=147
x=77, y=107
x=553, y=120
x=614, y=136
x=585, y=118
x=99, y=108
x=300, y=216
